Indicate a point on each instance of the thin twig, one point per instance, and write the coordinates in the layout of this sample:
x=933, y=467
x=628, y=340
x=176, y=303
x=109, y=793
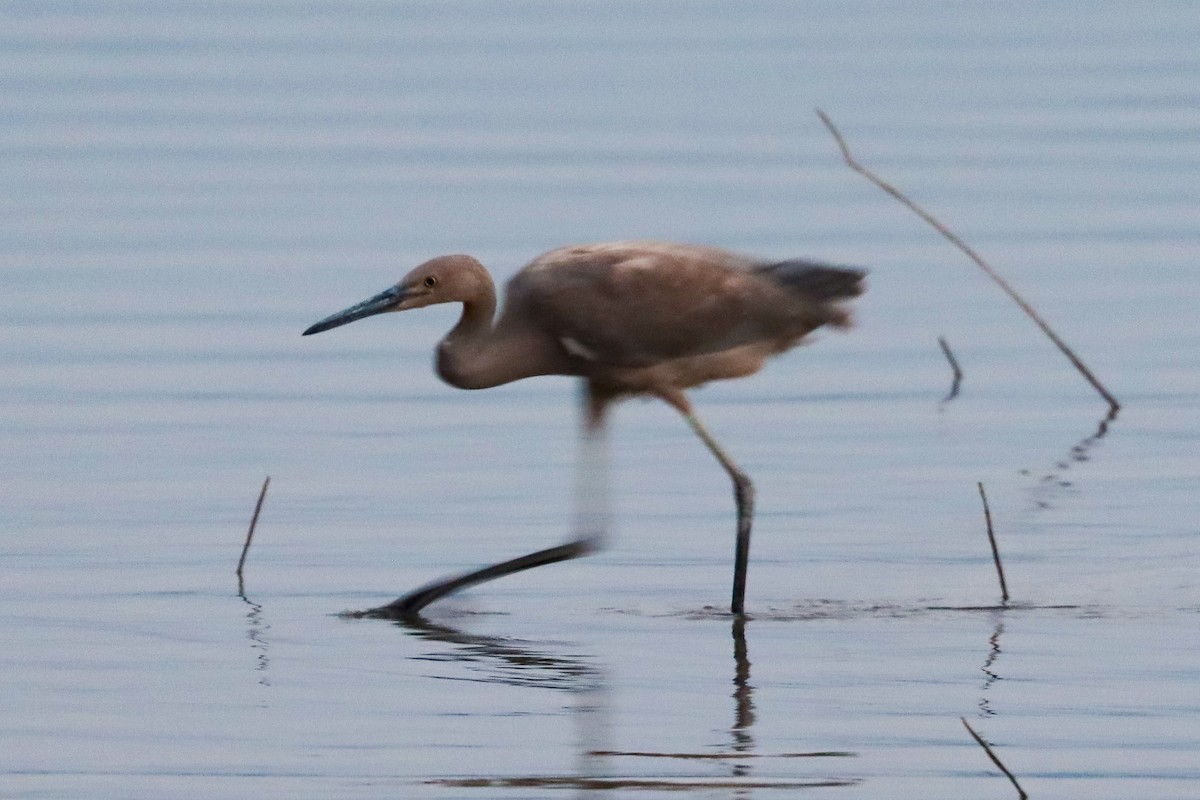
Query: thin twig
x=987, y=515
x=958, y=374
x=250, y=533
x=995, y=760
x=963, y=246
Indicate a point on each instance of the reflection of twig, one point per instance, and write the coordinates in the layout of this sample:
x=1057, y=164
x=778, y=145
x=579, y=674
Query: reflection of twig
x=257, y=635
x=958, y=375
x=250, y=533
x=987, y=749
x=987, y=515
x=992, y=676
x=1079, y=452
x=971, y=254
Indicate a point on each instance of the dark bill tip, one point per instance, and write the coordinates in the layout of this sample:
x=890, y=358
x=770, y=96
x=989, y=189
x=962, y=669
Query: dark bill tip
x=317, y=328
x=384, y=301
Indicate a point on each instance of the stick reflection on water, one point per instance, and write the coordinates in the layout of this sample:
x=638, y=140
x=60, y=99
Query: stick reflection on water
x=256, y=632
x=988, y=668
x=1050, y=486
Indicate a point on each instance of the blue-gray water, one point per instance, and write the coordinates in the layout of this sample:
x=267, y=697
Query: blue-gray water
x=184, y=187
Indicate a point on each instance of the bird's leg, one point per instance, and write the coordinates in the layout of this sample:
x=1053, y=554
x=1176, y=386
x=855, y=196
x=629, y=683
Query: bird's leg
x=592, y=510
x=743, y=495
x=593, y=490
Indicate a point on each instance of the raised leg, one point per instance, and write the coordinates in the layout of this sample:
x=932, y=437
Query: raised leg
x=743, y=495
x=593, y=484
x=591, y=524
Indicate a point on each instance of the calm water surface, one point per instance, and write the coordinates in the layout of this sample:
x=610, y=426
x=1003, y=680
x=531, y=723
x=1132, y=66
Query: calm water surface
x=184, y=187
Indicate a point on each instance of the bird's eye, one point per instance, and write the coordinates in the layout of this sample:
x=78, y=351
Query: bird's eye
x=430, y=281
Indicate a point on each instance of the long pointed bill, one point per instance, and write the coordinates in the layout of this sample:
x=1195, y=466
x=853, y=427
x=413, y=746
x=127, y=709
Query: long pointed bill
x=384, y=301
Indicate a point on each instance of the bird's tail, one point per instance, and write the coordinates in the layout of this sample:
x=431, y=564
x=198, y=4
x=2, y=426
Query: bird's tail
x=816, y=281
x=819, y=284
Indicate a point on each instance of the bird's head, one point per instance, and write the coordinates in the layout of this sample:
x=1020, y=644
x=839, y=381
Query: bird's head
x=445, y=279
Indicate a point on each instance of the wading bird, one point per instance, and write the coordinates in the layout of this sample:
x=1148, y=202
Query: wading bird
x=629, y=318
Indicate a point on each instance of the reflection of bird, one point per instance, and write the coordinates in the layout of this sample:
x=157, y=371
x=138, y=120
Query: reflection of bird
x=630, y=318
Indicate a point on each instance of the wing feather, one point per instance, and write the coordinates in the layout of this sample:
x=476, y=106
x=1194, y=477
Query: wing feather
x=639, y=303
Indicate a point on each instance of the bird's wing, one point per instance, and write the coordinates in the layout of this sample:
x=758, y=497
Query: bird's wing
x=639, y=303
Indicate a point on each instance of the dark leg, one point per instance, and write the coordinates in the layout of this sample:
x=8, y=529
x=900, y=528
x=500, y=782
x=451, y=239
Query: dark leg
x=411, y=604
x=743, y=495
x=591, y=524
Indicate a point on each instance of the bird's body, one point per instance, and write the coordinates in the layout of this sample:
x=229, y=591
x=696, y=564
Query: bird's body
x=629, y=318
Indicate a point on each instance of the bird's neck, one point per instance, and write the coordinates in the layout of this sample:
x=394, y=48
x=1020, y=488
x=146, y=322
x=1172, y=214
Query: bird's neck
x=480, y=354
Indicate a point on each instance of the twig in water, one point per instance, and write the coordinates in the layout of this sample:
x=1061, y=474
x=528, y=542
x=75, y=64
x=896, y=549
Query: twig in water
x=971, y=254
x=958, y=375
x=995, y=760
x=250, y=533
x=987, y=515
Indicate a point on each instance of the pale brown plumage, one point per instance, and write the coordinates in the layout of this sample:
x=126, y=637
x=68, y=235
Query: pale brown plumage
x=630, y=318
